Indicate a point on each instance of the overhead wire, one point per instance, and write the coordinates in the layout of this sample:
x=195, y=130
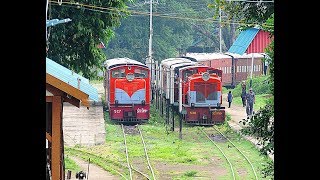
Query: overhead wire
x=155, y=14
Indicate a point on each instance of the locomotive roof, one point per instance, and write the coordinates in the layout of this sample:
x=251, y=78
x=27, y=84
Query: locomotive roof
x=171, y=61
x=109, y=63
x=206, y=56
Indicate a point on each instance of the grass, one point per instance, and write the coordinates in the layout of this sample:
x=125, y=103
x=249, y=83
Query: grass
x=260, y=101
x=113, y=167
x=190, y=173
x=165, y=147
x=248, y=149
x=71, y=165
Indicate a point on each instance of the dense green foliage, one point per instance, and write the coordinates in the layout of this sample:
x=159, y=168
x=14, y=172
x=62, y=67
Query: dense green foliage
x=246, y=14
x=260, y=85
x=177, y=26
x=74, y=44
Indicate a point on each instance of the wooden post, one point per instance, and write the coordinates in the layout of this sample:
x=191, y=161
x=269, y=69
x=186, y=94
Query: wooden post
x=180, y=126
x=172, y=129
x=162, y=105
x=167, y=110
x=56, y=155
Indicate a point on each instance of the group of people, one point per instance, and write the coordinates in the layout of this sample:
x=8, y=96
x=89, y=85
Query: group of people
x=248, y=98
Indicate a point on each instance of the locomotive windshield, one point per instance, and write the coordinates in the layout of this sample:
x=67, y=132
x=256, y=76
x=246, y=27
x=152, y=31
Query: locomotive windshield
x=205, y=91
x=140, y=73
x=187, y=73
x=119, y=73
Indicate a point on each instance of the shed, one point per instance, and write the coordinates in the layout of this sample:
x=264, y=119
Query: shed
x=62, y=85
x=252, y=40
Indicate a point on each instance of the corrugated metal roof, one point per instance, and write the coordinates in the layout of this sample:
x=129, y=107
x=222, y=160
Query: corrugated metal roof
x=243, y=41
x=67, y=76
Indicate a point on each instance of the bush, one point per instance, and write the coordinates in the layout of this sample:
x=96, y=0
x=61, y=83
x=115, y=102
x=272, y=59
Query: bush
x=260, y=85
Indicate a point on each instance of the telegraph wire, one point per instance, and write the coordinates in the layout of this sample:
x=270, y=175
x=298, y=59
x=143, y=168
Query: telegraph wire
x=78, y=5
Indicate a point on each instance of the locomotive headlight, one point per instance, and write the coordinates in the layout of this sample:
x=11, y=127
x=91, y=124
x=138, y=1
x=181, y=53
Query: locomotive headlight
x=192, y=105
x=130, y=77
x=205, y=76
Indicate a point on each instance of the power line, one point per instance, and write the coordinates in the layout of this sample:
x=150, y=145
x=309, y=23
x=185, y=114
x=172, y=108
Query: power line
x=258, y=1
x=155, y=14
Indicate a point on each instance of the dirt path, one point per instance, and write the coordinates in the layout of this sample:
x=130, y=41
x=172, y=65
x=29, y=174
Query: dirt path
x=237, y=113
x=95, y=172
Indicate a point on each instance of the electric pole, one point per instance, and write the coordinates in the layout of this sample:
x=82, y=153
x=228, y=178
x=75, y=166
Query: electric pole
x=220, y=31
x=149, y=61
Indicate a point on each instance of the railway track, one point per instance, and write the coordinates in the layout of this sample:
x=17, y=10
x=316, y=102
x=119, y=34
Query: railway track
x=138, y=173
x=224, y=153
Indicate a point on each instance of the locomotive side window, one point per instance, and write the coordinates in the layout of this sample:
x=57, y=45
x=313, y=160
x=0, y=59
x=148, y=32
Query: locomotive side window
x=186, y=74
x=212, y=72
x=118, y=73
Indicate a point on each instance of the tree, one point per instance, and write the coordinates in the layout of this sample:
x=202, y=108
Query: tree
x=246, y=14
x=177, y=25
x=74, y=45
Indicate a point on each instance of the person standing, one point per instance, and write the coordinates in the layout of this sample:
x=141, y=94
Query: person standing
x=243, y=93
x=230, y=97
x=251, y=99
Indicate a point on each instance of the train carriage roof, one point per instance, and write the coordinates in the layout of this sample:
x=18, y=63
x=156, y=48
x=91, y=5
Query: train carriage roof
x=182, y=65
x=110, y=63
x=207, y=56
x=194, y=66
x=171, y=61
x=246, y=56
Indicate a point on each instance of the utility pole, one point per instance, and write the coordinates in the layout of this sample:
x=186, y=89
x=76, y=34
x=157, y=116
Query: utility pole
x=251, y=70
x=220, y=31
x=149, y=61
x=150, y=41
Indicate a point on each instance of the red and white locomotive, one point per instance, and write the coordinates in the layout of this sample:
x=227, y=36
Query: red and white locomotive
x=200, y=95
x=196, y=90
x=127, y=90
